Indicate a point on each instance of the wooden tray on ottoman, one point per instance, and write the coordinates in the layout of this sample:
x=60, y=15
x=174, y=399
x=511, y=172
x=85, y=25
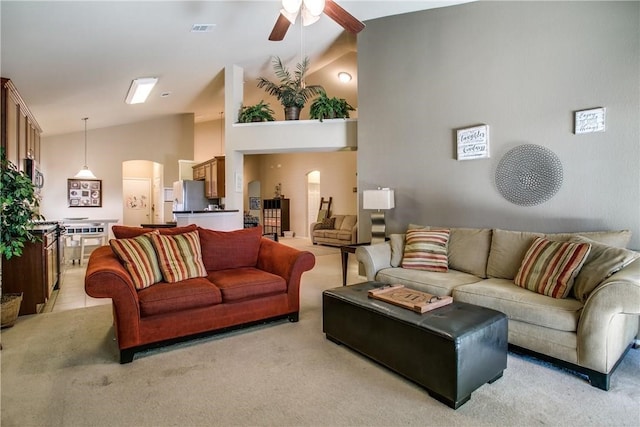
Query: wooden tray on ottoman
x=418, y=301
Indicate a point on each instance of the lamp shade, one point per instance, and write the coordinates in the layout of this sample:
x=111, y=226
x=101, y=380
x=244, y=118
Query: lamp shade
x=382, y=198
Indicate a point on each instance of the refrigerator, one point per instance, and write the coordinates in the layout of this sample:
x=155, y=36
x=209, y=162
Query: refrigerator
x=189, y=196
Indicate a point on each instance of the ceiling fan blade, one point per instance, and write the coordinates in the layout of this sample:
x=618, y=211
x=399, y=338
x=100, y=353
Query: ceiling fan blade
x=280, y=29
x=334, y=11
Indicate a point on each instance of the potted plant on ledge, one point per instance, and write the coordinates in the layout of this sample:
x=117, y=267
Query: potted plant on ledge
x=260, y=112
x=291, y=89
x=324, y=107
x=19, y=209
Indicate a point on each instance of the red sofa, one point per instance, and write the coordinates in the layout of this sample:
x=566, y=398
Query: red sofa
x=250, y=279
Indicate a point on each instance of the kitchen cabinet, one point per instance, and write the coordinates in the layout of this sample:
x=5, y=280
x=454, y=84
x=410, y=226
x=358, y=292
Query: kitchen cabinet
x=212, y=172
x=36, y=272
x=20, y=132
x=198, y=172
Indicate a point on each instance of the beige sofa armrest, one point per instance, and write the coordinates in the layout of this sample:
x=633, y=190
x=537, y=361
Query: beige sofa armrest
x=374, y=258
x=608, y=323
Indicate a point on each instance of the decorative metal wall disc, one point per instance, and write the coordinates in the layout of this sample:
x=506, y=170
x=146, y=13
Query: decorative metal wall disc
x=529, y=175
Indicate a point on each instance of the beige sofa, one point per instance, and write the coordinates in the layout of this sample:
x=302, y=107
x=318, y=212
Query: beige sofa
x=337, y=230
x=588, y=333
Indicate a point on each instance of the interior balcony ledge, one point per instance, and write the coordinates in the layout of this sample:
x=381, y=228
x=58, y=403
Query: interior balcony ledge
x=295, y=136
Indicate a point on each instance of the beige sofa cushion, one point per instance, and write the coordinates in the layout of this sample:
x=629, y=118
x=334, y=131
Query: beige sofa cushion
x=397, y=249
x=507, y=252
x=427, y=281
x=508, y=247
x=618, y=238
x=522, y=305
x=469, y=250
x=602, y=262
x=348, y=221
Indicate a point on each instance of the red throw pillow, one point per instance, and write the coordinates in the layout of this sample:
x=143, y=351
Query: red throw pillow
x=230, y=249
x=127, y=232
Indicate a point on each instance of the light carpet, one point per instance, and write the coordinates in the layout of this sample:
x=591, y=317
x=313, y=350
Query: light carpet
x=61, y=369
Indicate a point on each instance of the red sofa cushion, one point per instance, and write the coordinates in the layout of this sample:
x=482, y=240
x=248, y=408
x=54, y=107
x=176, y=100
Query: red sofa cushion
x=230, y=249
x=243, y=283
x=170, y=297
x=127, y=232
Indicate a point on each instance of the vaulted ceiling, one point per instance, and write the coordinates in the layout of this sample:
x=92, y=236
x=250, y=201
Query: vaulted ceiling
x=76, y=59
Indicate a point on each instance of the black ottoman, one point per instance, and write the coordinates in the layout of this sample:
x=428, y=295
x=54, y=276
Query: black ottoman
x=450, y=351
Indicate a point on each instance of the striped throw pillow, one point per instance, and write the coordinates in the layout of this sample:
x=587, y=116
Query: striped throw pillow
x=549, y=268
x=139, y=258
x=180, y=256
x=426, y=250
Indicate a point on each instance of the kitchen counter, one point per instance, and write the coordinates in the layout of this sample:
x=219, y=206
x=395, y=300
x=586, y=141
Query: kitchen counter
x=221, y=220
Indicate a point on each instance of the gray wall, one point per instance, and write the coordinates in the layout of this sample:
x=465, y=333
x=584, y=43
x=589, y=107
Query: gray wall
x=522, y=68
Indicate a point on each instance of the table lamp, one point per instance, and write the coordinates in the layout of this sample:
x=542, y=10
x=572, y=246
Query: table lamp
x=378, y=200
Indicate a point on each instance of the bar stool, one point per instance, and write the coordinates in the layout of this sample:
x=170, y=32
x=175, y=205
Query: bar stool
x=89, y=240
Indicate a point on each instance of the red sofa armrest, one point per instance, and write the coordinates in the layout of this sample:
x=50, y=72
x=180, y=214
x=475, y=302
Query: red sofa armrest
x=106, y=277
x=286, y=262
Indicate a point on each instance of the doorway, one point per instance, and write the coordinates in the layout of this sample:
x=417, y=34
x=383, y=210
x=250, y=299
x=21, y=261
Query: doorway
x=313, y=199
x=137, y=201
x=142, y=192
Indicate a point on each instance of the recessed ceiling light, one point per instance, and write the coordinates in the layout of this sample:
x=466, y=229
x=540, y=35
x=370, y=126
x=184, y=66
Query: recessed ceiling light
x=344, y=77
x=140, y=90
x=202, y=28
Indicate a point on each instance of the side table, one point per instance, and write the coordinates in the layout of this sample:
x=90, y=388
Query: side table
x=345, y=251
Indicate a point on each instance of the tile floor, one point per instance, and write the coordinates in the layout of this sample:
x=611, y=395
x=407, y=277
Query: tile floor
x=71, y=293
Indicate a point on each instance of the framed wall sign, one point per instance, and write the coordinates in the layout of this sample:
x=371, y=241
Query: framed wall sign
x=254, y=203
x=84, y=193
x=473, y=142
x=587, y=121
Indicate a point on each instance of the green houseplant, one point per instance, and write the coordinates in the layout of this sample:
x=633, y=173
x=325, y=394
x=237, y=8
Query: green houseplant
x=290, y=89
x=260, y=112
x=19, y=209
x=324, y=107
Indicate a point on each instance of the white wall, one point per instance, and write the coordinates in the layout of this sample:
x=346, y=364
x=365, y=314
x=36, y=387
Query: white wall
x=164, y=141
x=523, y=68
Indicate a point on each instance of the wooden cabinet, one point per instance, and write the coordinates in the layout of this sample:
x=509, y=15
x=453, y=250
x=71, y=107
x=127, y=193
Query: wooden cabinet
x=20, y=132
x=36, y=273
x=198, y=172
x=275, y=216
x=212, y=172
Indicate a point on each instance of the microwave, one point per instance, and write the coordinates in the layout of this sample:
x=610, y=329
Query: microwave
x=33, y=172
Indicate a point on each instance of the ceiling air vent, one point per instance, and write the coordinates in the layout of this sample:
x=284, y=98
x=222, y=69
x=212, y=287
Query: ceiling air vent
x=202, y=28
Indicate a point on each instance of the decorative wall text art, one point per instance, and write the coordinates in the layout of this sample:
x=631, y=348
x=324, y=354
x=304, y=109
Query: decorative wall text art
x=587, y=121
x=473, y=143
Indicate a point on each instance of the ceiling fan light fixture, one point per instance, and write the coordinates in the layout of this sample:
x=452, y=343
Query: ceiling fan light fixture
x=308, y=18
x=140, y=89
x=315, y=7
x=291, y=6
x=291, y=17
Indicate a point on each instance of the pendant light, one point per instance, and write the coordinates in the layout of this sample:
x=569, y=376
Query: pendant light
x=85, y=173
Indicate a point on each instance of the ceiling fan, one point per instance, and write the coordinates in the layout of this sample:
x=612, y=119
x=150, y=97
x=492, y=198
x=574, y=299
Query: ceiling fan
x=310, y=11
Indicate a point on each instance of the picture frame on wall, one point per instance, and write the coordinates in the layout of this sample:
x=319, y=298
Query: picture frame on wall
x=84, y=193
x=254, y=203
x=588, y=121
x=473, y=142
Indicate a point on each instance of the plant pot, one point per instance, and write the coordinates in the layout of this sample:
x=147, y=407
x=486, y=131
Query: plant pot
x=10, y=308
x=292, y=113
